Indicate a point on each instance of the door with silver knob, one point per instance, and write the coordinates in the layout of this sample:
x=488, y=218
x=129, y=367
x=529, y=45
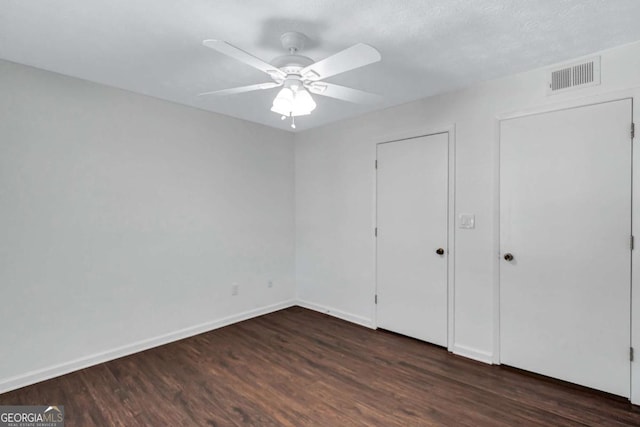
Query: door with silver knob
x=565, y=223
x=412, y=259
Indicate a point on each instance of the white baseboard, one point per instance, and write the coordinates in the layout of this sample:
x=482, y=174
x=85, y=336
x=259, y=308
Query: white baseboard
x=471, y=353
x=36, y=376
x=460, y=350
x=363, y=321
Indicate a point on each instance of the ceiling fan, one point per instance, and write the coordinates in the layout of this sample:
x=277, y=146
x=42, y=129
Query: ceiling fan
x=299, y=75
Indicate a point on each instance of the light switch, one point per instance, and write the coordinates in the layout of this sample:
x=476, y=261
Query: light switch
x=466, y=221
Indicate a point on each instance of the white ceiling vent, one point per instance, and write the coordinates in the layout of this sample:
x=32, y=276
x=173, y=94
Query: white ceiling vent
x=574, y=76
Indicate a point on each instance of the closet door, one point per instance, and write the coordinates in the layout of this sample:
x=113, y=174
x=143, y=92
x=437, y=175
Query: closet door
x=565, y=228
x=412, y=196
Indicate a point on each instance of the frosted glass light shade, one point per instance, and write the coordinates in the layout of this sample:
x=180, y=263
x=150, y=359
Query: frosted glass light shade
x=281, y=111
x=283, y=102
x=290, y=103
x=303, y=103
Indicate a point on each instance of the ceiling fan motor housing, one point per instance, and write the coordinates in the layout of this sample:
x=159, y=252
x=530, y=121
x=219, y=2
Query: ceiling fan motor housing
x=292, y=64
x=293, y=41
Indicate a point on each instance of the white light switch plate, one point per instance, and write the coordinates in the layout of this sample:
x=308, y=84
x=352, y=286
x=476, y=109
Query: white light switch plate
x=466, y=221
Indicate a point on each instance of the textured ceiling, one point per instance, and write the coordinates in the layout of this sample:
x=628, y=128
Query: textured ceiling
x=154, y=47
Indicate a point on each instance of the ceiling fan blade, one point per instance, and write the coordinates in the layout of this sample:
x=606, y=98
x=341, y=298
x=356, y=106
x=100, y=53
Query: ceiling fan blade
x=242, y=89
x=242, y=56
x=343, y=93
x=353, y=57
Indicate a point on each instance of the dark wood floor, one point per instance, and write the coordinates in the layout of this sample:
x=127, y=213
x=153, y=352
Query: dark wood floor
x=301, y=368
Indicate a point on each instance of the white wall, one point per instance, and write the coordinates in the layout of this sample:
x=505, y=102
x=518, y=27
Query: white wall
x=335, y=197
x=125, y=220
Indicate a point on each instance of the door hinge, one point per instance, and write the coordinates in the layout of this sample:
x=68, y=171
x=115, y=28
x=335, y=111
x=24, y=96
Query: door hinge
x=375, y=232
x=632, y=243
x=631, y=354
x=633, y=130
x=376, y=164
x=376, y=299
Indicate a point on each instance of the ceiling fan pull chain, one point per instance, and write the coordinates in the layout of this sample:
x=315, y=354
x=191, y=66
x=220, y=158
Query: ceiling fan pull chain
x=293, y=121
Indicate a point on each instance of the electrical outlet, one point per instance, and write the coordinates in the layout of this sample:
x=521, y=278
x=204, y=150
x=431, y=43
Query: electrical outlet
x=270, y=284
x=234, y=289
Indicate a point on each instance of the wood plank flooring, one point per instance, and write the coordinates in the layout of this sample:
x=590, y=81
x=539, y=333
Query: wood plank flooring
x=297, y=367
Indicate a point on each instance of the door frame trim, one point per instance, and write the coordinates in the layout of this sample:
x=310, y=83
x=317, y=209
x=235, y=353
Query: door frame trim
x=542, y=109
x=451, y=215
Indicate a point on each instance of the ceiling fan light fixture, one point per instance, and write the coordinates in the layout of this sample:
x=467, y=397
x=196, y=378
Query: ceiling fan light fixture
x=293, y=103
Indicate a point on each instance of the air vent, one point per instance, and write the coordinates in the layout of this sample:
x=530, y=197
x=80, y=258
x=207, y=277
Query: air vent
x=573, y=76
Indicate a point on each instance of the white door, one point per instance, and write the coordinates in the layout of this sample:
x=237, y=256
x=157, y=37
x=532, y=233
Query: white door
x=565, y=217
x=412, y=182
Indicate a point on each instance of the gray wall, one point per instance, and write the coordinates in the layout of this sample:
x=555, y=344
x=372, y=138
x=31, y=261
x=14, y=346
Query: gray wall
x=125, y=219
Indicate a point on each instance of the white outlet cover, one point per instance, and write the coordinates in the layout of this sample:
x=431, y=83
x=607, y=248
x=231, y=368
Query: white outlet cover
x=467, y=221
